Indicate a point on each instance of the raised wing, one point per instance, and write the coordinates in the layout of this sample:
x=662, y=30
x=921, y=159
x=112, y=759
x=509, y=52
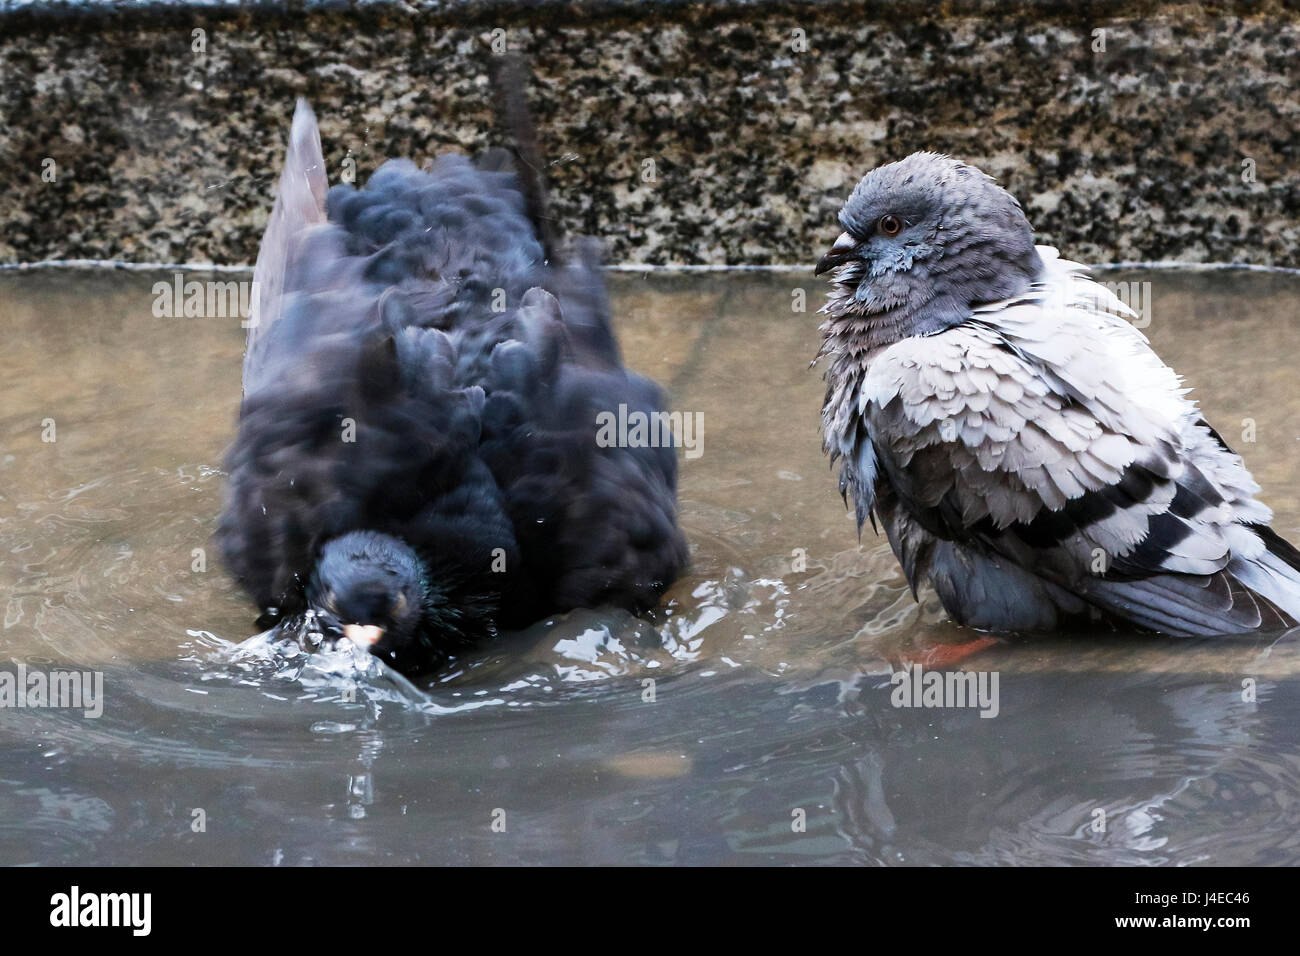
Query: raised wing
x=299, y=206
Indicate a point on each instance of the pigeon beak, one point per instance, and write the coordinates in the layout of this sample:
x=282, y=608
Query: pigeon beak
x=842, y=251
x=363, y=635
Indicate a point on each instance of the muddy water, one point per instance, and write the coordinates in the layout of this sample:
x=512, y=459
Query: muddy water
x=771, y=736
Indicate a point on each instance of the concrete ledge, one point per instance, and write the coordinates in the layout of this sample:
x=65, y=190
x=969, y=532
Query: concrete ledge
x=161, y=153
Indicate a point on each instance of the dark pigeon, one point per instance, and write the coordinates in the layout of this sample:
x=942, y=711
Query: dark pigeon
x=1025, y=450
x=416, y=464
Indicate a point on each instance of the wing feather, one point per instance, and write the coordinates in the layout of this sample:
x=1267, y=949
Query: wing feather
x=1046, y=433
x=299, y=206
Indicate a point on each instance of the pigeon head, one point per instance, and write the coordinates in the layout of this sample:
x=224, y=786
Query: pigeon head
x=925, y=239
x=374, y=588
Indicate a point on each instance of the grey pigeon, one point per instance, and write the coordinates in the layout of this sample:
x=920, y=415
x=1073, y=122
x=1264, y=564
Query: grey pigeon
x=1024, y=449
x=417, y=462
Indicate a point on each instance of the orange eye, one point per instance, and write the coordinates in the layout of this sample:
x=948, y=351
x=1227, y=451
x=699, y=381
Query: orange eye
x=890, y=226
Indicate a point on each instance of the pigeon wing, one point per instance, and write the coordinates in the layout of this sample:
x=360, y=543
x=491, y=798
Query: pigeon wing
x=1045, y=434
x=299, y=206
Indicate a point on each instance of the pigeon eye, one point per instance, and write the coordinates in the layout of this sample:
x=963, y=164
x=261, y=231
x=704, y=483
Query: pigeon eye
x=890, y=226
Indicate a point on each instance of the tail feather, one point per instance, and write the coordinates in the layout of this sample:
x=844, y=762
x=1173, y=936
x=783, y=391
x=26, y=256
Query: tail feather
x=576, y=277
x=1186, y=605
x=1255, y=590
x=509, y=82
x=1275, y=574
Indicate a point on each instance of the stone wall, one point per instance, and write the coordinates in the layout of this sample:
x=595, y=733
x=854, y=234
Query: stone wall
x=752, y=120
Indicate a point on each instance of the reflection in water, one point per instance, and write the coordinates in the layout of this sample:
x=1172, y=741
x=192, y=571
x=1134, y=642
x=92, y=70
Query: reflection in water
x=1133, y=769
x=748, y=719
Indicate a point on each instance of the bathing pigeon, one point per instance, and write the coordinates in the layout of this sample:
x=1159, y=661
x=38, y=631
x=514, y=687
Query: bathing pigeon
x=417, y=461
x=1025, y=450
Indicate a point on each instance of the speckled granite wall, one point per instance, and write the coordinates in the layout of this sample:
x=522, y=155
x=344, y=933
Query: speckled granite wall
x=1135, y=152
